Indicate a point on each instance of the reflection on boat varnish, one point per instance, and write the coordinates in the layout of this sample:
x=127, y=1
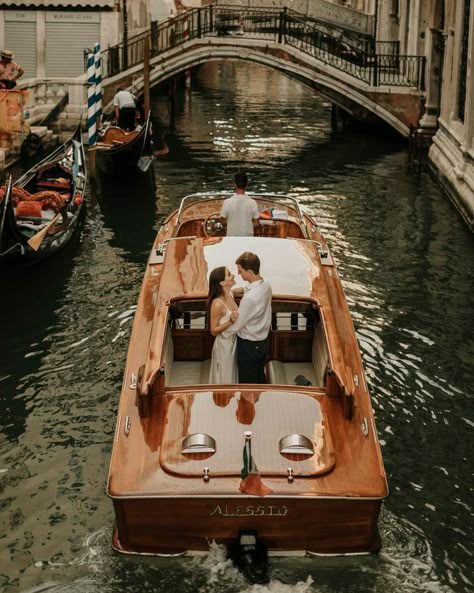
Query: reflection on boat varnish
x=314, y=441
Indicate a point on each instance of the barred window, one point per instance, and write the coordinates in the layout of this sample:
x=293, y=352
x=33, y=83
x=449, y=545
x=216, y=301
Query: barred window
x=463, y=68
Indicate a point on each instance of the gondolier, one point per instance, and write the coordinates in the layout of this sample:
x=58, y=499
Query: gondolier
x=10, y=71
x=125, y=109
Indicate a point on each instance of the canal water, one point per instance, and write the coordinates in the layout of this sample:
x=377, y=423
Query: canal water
x=406, y=261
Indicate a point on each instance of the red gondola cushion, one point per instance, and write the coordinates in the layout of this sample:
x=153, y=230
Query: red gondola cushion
x=30, y=208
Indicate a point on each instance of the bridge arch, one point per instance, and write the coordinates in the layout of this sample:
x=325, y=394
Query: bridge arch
x=362, y=89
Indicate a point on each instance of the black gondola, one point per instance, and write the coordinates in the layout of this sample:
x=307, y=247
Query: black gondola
x=40, y=211
x=120, y=153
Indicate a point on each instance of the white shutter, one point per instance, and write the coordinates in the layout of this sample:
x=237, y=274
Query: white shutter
x=20, y=38
x=65, y=44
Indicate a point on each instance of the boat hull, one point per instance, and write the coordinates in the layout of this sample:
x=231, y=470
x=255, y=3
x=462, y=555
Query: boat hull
x=175, y=475
x=15, y=250
x=122, y=160
x=24, y=256
x=284, y=525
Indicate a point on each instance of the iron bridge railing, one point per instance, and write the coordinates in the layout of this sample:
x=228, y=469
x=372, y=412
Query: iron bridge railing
x=373, y=63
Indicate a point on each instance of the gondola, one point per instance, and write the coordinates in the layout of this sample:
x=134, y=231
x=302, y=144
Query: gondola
x=119, y=153
x=183, y=471
x=40, y=211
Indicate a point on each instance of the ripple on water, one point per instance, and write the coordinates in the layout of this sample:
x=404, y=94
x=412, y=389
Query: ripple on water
x=403, y=256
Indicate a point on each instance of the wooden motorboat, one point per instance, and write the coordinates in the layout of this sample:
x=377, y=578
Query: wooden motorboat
x=175, y=473
x=119, y=152
x=40, y=211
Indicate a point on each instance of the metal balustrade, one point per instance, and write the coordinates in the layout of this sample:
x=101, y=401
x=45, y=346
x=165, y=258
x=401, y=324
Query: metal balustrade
x=373, y=63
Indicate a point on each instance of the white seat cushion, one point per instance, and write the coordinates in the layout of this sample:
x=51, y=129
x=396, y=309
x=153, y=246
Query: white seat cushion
x=205, y=368
x=320, y=355
x=285, y=373
x=275, y=372
x=190, y=372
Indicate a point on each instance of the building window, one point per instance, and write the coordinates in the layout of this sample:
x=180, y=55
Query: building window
x=463, y=68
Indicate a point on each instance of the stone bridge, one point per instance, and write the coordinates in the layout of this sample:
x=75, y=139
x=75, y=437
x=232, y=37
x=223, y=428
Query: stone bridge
x=346, y=69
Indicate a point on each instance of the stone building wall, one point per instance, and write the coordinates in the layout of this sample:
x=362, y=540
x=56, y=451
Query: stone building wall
x=452, y=151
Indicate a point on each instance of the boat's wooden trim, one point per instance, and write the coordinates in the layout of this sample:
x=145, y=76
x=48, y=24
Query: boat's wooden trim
x=317, y=526
x=163, y=505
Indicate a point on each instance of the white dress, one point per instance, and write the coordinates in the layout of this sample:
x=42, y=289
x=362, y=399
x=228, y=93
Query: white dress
x=224, y=356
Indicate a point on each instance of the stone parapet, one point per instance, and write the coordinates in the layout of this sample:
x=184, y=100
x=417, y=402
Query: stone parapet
x=341, y=16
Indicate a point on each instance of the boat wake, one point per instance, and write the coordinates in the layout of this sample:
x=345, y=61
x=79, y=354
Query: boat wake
x=406, y=559
x=223, y=575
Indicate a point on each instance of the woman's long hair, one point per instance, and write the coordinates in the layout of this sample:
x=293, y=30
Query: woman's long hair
x=215, y=289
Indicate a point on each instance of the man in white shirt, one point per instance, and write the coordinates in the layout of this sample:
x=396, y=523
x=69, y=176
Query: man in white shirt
x=240, y=211
x=125, y=109
x=10, y=71
x=254, y=321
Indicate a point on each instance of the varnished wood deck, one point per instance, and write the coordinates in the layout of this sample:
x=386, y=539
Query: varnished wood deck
x=162, y=504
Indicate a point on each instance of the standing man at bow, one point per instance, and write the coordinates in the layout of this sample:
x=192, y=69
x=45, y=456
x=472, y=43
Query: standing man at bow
x=10, y=71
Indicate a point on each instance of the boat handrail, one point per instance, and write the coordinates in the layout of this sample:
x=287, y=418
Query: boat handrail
x=161, y=247
x=199, y=195
x=271, y=197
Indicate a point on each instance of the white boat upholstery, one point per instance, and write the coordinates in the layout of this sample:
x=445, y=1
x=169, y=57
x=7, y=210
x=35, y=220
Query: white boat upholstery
x=285, y=372
x=184, y=372
x=190, y=372
x=168, y=358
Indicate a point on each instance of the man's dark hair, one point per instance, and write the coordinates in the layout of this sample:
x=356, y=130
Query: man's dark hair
x=241, y=180
x=249, y=261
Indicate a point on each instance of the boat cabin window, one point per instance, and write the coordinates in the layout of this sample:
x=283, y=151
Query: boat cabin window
x=298, y=353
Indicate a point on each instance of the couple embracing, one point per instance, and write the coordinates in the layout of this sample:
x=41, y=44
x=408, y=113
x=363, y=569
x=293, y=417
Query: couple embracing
x=241, y=346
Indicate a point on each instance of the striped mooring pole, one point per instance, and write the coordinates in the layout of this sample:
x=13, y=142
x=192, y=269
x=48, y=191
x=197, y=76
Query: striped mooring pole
x=98, y=85
x=91, y=107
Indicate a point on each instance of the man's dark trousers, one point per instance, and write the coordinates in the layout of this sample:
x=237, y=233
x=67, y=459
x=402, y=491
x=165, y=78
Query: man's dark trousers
x=251, y=359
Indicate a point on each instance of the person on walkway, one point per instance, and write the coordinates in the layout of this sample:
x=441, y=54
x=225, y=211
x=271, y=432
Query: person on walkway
x=254, y=321
x=10, y=71
x=223, y=313
x=240, y=211
x=125, y=109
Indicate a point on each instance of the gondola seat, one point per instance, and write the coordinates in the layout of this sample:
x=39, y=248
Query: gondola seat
x=29, y=210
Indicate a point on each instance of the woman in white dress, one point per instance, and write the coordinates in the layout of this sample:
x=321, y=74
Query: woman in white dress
x=223, y=311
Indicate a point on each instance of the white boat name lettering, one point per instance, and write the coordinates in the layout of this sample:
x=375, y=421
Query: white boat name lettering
x=249, y=511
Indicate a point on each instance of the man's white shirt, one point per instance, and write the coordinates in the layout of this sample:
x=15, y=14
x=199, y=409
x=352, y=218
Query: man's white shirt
x=255, y=313
x=124, y=99
x=240, y=210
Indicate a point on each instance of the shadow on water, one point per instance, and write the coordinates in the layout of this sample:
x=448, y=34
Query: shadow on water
x=404, y=259
x=129, y=209
x=28, y=299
